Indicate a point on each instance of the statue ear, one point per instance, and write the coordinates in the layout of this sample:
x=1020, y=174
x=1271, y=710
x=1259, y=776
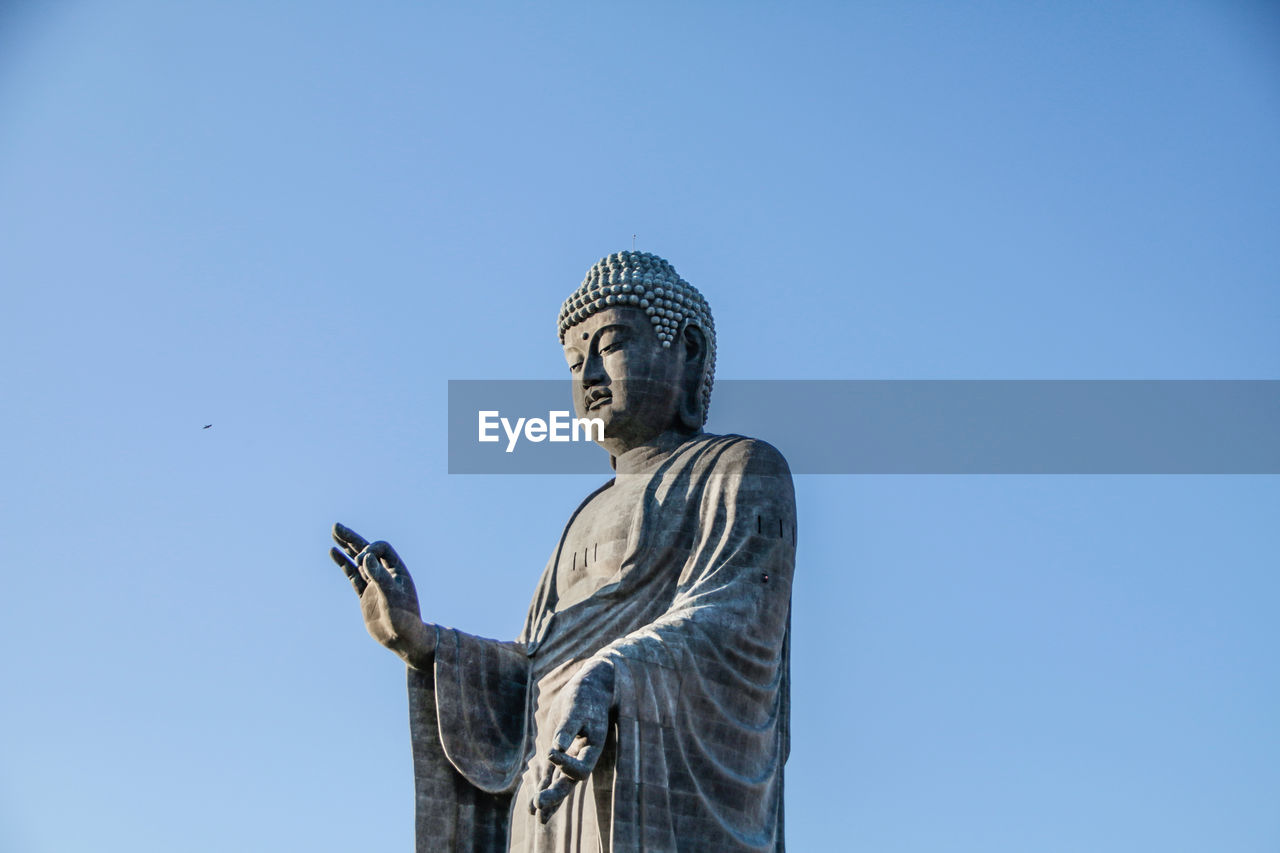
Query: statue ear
x=695, y=365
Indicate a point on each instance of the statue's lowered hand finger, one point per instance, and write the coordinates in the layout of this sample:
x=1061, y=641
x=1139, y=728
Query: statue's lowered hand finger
x=542, y=786
x=566, y=735
x=550, y=799
x=578, y=768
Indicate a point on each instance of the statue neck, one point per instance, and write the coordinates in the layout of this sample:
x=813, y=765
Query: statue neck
x=647, y=456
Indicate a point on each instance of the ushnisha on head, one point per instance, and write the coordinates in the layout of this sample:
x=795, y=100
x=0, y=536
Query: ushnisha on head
x=649, y=283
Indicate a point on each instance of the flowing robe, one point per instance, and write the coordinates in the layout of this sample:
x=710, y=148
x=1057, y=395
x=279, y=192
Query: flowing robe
x=696, y=623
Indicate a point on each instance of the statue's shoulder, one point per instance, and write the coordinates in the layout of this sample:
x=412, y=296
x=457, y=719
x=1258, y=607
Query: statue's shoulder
x=742, y=454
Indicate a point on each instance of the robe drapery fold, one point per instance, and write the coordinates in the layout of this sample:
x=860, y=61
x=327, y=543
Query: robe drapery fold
x=696, y=625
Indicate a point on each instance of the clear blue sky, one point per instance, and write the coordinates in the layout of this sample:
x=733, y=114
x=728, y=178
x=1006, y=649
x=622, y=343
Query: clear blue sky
x=297, y=222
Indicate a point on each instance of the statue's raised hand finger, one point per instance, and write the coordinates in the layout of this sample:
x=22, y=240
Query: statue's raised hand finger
x=352, y=543
x=373, y=570
x=389, y=557
x=349, y=569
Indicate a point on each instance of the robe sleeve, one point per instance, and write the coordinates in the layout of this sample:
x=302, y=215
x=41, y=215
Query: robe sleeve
x=703, y=691
x=468, y=721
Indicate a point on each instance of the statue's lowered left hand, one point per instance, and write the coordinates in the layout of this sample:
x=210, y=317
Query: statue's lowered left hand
x=582, y=724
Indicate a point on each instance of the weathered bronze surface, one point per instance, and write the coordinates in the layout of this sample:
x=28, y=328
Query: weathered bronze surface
x=645, y=704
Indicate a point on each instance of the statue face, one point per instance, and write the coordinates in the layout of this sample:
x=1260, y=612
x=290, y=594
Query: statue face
x=622, y=375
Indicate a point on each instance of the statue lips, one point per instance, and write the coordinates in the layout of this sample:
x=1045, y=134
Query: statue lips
x=598, y=398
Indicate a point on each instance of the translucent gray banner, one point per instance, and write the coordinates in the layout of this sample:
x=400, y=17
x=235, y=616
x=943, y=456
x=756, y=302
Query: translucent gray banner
x=911, y=426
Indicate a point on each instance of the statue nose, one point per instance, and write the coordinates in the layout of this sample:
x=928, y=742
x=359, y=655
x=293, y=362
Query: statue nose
x=592, y=372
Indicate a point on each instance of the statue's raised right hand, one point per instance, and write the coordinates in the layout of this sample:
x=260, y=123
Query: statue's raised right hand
x=388, y=599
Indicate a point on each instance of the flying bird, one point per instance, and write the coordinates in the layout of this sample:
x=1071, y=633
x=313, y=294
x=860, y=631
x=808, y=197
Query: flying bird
x=206, y=426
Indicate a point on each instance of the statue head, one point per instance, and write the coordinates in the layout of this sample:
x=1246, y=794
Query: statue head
x=641, y=347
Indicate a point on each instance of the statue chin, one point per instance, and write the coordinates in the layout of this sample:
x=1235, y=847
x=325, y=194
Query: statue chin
x=628, y=426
